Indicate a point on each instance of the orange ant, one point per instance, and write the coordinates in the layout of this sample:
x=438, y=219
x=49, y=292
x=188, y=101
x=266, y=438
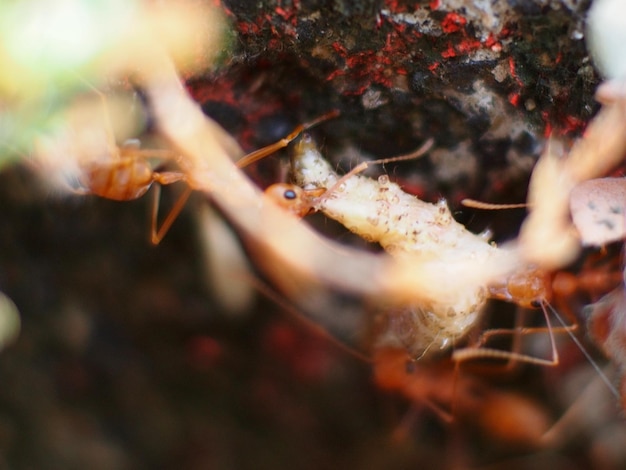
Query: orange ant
x=505, y=416
x=406, y=227
x=437, y=383
x=380, y=211
x=539, y=290
x=125, y=173
x=466, y=398
x=129, y=175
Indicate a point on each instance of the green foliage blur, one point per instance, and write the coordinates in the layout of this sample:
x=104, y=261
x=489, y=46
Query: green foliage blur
x=50, y=50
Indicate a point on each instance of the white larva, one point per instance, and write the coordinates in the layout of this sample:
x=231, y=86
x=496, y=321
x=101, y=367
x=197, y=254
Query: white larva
x=408, y=228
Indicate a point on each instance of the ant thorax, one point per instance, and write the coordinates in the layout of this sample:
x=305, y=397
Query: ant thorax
x=408, y=229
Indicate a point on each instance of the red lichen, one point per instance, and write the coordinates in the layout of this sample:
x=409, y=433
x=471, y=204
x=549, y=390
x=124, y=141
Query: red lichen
x=452, y=23
x=514, y=99
x=434, y=4
x=364, y=68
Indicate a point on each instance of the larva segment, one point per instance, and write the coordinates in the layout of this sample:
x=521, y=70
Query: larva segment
x=414, y=231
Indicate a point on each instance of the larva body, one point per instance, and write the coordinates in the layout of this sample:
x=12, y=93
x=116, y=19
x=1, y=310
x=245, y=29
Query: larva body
x=379, y=211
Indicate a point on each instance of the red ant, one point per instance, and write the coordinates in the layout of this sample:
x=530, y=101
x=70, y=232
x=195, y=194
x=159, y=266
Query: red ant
x=528, y=287
x=505, y=416
x=454, y=396
x=381, y=211
x=125, y=173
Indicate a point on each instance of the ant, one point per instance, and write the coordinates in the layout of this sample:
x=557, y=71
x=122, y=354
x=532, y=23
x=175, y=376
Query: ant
x=456, y=397
x=124, y=173
x=504, y=416
x=436, y=383
x=406, y=227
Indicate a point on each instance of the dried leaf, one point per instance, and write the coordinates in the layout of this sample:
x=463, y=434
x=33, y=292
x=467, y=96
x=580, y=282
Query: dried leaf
x=546, y=237
x=597, y=208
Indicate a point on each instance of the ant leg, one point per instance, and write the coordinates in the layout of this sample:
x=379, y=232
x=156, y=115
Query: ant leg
x=478, y=352
x=307, y=322
x=520, y=331
x=172, y=177
x=282, y=143
x=474, y=352
x=156, y=235
x=410, y=417
x=474, y=204
x=426, y=146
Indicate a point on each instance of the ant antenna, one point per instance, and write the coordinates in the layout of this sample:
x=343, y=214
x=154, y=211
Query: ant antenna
x=585, y=353
x=282, y=143
x=271, y=294
x=365, y=165
x=474, y=204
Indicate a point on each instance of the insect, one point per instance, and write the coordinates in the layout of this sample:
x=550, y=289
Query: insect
x=129, y=175
x=320, y=259
x=454, y=396
x=459, y=397
x=82, y=154
x=505, y=416
x=127, y=172
x=418, y=231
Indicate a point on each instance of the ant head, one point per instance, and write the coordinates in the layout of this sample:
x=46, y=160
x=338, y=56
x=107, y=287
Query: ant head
x=287, y=196
x=293, y=198
x=529, y=288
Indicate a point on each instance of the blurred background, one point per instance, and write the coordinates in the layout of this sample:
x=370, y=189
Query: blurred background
x=132, y=356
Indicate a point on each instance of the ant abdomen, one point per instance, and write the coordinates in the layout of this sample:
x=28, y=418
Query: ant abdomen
x=120, y=180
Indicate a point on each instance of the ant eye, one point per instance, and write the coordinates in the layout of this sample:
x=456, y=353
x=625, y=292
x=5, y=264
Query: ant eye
x=410, y=367
x=289, y=194
x=535, y=303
